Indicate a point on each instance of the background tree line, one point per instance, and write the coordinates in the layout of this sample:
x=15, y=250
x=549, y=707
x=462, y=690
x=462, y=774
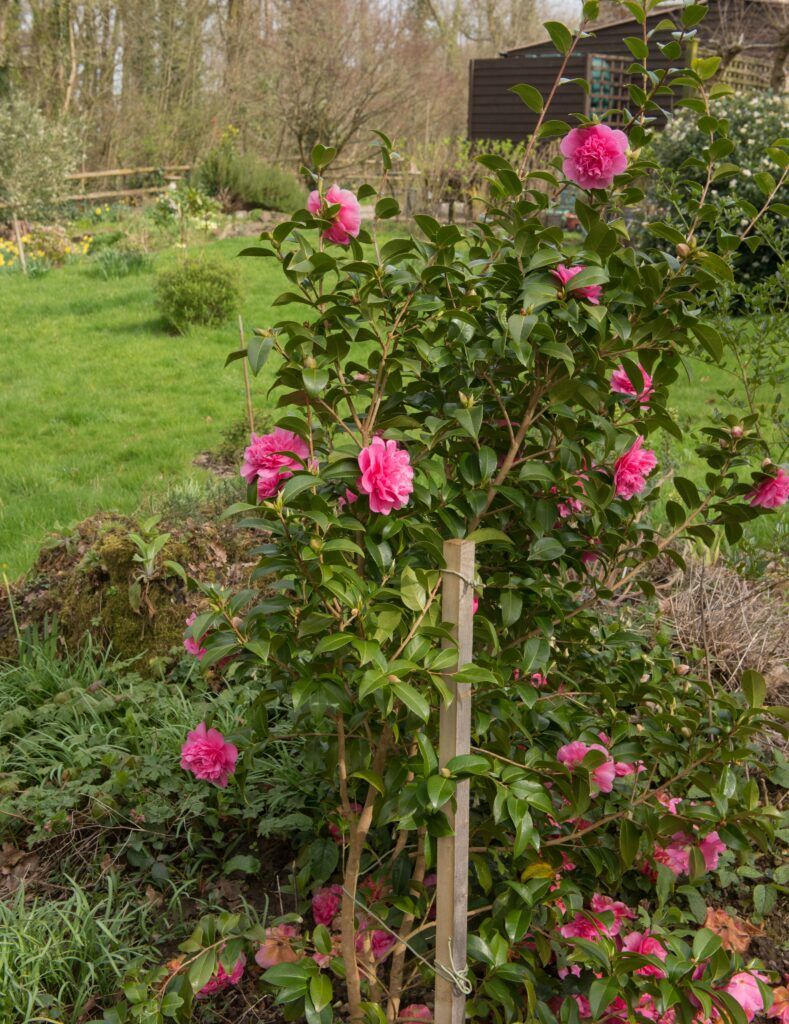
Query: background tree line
x=151, y=81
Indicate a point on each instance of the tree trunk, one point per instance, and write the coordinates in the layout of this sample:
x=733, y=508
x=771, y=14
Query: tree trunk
x=20, y=245
x=778, y=75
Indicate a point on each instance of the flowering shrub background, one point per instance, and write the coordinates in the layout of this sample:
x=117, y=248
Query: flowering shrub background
x=755, y=121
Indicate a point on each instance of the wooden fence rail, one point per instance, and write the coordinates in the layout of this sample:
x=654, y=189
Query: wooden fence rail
x=171, y=172
x=126, y=172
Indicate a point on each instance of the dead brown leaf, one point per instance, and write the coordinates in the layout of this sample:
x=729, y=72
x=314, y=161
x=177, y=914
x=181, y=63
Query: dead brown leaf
x=17, y=866
x=735, y=934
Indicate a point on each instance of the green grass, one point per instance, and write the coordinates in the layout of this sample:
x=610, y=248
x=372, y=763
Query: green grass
x=57, y=956
x=100, y=404
x=695, y=402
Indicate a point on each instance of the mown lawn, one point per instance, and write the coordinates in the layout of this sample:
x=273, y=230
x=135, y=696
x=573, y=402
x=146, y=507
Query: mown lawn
x=101, y=406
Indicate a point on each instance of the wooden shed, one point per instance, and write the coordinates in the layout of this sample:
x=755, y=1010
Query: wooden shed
x=494, y=112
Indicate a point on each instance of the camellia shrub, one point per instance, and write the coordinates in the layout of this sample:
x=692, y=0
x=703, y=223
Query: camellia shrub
x=494, y=383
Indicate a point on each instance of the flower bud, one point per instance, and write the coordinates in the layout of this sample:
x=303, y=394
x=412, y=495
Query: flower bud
x=683, y=251
x=393, y=679
x=686, y=732
x=737, y=431
x=767, y=463
x=682, y=670
x=644, y=678
x=445, y=772
x=316, y=544
x=310, y=363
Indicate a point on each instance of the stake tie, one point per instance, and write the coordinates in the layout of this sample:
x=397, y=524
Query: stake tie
x=457, y=976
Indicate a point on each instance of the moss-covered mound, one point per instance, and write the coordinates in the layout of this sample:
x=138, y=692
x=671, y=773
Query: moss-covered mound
x=89, y=582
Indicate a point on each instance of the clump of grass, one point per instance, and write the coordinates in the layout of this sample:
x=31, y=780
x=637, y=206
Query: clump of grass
x=122, y=260
x=59, y=957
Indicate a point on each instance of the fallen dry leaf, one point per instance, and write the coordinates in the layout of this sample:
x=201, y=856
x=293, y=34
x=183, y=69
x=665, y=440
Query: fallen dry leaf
x=735, y=934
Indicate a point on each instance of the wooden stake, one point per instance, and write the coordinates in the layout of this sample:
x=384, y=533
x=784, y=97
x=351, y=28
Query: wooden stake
x=20, y=245
x=455, y=739
x=247, y=391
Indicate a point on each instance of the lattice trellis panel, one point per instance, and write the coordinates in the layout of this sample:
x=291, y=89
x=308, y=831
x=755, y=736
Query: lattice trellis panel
x=608, y=81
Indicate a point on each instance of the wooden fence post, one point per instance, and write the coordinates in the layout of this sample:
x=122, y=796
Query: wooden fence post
x=455, y=739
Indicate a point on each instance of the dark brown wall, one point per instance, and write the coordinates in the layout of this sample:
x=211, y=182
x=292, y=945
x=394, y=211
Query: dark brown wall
x=497, y=113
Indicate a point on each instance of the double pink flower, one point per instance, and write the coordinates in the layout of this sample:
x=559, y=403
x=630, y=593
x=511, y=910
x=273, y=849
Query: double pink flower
x=594, y=155
x=590, y=292
x=273, y=458
x=622, y=385
x=387, y=476
x=346, y=222
x=209, y=756
x=771, y=492
x=632, y=468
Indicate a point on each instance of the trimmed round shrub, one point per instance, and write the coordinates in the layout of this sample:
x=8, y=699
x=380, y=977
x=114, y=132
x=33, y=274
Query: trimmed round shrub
x=244, y=181
x=196, y=292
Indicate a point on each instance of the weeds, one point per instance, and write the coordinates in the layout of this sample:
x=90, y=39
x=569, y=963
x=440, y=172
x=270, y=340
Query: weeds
x=58, y=958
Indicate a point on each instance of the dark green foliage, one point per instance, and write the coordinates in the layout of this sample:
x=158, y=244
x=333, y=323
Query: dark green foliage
x=243, y=180
x=196, y=292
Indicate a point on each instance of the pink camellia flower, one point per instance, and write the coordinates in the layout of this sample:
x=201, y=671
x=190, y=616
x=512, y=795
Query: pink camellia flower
x=622, y=385
x=335, y=831
x=590, y=292
x=538, y=680
x=324, y=959
x=349, y=498
x=277, y=947
x=209, y=756
x=222, y=980
x=380, y=942
x=387, y=476
x=271, y=459
x=744, y=988
x=675, y=856
x=646, y=945
x=326, y=904
x=194, y=647
x=632, y=468
x=348, y=218
x=601, y=904
x=772, y=492
x=583, y=927
x=712, y=846
x=646, y=1007
x=780, y=1005
x=572, y=754
x=594, y=155
x=671, y=803
x=475, y=605
x=416, y=1012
